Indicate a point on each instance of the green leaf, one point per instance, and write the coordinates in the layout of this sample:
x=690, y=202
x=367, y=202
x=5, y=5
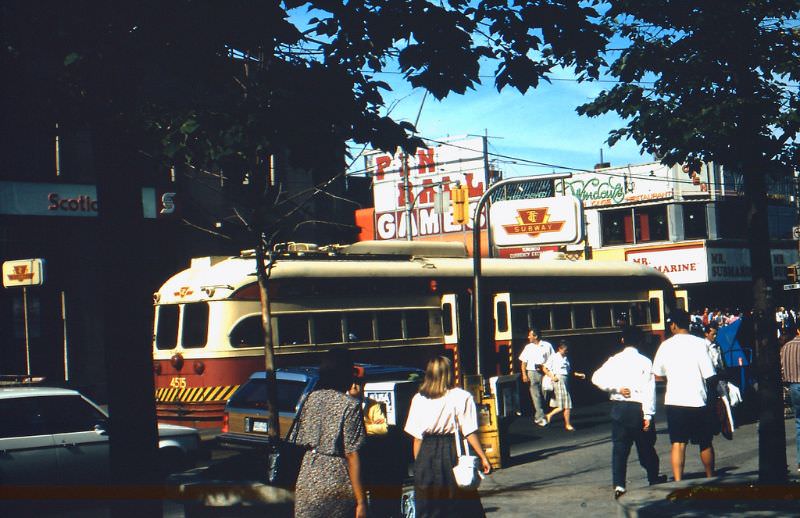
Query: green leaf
x=189, y=127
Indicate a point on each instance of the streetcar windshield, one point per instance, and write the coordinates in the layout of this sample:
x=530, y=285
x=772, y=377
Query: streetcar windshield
x=167, y=327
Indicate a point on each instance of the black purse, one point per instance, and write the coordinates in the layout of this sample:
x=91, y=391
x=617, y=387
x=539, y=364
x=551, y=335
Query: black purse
x=284, y=460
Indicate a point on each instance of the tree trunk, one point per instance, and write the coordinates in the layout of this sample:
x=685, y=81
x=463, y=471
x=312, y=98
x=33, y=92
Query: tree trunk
x=273, y=428
x=771, y=432
x=126, y=302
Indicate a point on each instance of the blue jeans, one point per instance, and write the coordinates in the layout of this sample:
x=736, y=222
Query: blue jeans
x=536, y=394
x=794, y=392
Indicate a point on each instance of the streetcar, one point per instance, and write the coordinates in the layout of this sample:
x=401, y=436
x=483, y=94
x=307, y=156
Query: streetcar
x=389, y=302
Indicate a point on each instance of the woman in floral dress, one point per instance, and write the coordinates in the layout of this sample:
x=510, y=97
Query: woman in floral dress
x=331, y=425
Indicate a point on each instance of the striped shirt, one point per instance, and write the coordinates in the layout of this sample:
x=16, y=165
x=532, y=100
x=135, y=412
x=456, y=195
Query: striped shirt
x=790, y=361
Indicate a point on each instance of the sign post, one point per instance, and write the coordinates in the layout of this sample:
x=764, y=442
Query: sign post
x=476, y=254
x=24, y=273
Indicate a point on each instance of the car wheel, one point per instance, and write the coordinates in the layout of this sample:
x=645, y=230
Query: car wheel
x=407, y=507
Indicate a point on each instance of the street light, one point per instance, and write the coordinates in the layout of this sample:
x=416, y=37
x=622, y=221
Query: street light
x=476, y=253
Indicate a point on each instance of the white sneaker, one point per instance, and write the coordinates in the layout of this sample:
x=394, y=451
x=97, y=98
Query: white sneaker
x=542, y=422
x=618, y=491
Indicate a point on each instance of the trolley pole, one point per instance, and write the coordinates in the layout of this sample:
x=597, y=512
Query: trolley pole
x=477, y=303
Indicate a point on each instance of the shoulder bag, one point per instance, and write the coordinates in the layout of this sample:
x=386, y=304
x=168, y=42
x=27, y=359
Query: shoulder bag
x=284, y=459
x=466, y=470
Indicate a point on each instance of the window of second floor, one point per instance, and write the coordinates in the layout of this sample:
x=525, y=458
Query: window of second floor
x=634, y=225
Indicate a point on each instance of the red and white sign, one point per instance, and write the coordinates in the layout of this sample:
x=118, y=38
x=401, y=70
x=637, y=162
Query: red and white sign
x=23, y=272
x=682, y=264
x=537, y=222
x=446, y=165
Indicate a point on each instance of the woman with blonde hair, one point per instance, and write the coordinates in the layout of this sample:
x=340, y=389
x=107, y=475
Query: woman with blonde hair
x=432, y=419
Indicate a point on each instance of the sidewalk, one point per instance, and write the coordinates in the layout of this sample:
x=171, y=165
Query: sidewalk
x=553, y=472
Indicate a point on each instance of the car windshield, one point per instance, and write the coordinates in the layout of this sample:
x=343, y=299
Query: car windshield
x=253, y=394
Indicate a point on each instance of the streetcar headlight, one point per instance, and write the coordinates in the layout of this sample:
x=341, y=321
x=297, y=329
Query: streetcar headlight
x=199, y=367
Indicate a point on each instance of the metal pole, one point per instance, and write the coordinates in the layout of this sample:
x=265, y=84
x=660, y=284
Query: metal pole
x=476, y=254
x=27, y=339
x=489, y=240
x=408, y=197
x=66, y=343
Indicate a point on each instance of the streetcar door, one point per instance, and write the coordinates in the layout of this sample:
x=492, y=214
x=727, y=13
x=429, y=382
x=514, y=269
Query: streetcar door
x=503, y=334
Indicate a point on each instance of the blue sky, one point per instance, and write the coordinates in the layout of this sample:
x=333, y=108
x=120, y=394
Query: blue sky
x=541, y=125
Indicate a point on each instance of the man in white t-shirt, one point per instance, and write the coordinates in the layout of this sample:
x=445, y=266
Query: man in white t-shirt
x=684, y=363
x=533, y=356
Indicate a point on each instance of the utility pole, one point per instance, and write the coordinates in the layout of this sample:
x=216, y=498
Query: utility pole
x=408, y=197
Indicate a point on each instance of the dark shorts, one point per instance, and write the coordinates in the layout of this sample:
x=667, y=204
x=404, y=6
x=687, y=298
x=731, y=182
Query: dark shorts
x=690, y=424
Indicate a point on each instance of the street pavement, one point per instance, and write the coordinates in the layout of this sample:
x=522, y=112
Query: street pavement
x=553, y=472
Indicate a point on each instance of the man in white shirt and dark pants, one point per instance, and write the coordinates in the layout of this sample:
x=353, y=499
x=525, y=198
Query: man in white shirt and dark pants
x=628, y=378
x=533, y=357
x=684, y=362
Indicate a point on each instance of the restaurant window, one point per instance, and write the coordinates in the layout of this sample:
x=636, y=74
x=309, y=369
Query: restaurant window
x=635, y=225
x=694, y=221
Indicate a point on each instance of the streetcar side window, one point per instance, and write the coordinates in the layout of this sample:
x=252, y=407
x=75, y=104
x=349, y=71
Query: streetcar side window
x=359, y=326
x=195, y=325
x=640, y=313
x=561, y=317
x=390, y=325
x=541, y=318
x=293, y=330
x=167, y=327
x=417, y=323
x=248, y=332
x=602, y=315
x=327, y=328
x=621, y=316
x=583, y=316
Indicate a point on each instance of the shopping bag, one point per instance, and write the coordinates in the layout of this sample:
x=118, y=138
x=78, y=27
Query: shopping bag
x=547, y=384
x=465, y=471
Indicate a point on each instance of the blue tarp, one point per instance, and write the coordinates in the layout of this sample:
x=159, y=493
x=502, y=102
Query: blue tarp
x=734, y=355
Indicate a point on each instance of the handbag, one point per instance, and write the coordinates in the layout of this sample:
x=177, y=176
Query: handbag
x=466, y=470
x=284, y=459
x=547, y=384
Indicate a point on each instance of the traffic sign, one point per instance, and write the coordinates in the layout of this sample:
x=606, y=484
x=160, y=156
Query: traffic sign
x=25, y=272
x=796, y=232
x=795, y=286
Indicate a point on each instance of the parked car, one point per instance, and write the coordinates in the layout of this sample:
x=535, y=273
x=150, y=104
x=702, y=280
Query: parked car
x=245, y=419
x=56, y=436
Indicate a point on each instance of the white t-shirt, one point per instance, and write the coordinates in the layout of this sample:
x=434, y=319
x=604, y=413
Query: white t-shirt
x=435, y=416
x=558, y=365
x=684, y=360
x=536, y=354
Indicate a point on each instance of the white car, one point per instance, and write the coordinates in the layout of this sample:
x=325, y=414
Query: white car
x=57, y=436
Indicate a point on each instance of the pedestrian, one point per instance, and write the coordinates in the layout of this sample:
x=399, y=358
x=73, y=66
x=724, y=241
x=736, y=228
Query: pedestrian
x=559, y=370
x=374, y=415
x=790, y=370
x=331, y=425
x=712, y=347
x=683, y=362
x=533, y=357
x=435, y=412
x=628, y=378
